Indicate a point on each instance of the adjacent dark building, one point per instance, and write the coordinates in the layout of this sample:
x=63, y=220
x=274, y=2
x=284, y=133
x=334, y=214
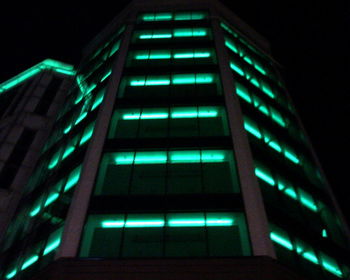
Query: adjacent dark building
x=175, y=152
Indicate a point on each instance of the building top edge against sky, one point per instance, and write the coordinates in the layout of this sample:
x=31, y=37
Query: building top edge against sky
x=253, y=37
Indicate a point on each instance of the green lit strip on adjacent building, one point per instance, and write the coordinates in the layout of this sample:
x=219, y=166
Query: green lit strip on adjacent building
x=307, y=254
x=47, y=64
x=286, y=188
x=253, y=80
x=270, y=141
x=267, y=110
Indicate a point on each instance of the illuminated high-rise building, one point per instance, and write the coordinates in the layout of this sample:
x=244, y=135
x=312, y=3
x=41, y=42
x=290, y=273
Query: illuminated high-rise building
x=176, y=153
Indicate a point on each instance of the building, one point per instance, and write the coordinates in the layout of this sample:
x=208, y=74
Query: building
x=28, y=104
x=176, y=152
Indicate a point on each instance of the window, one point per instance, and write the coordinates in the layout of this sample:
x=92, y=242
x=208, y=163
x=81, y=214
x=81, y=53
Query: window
x=169, y=122
x=169, y=16
x=167, y=172
x=170, y=86
x=165, y=235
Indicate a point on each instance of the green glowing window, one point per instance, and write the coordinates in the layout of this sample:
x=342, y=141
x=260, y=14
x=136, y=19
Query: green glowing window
x=307, y=200
x=73, y=179
x=115, y=48
x=147, y=235
x=305, y=252
x=265, y=175
x=156, y=17
x=98, y=99
x=252, y=128
x=55, y=159
x=70, y=147
x=167, y=16
x=162, y=122
x=53, y=242
x=154, y=172
x=179, y=55
x=88, y=131
x=330, y=265
x=170, y=86
x=175, y=33
x=251, y=77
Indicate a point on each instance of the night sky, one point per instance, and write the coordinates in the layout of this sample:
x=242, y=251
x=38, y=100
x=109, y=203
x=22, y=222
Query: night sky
x=311, y=42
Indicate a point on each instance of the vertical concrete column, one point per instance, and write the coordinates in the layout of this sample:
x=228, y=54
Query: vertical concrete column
x=252, y=197
x=77, y=212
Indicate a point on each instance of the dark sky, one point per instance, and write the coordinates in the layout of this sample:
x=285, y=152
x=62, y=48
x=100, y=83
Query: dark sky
x=310, y=40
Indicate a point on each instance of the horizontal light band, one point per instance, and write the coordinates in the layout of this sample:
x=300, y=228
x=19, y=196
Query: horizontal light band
x=52, y=246
x=35, y=211
x=264, y=176
x=180, y=114
x=29, y=262
x=170, y=223
x=281, y=241
x=173, y=157
x=177, y=79
x=11, y=274
x=51, y=198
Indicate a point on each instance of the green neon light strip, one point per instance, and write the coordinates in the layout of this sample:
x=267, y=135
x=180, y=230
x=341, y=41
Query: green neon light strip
x=175, y=16
x=243, y=93
x=284, y=242
x=252, y=129
x=80, y=118
x=173, y=157
x=87, y=135
x=106, y=75
x=72, y=182
x=143, y=55
x=171, y=223
x=52, y=197
x=177, y=79
x=47, y=64
x=181, y=114
x=324, y=233
x=184, y=32
x=264, y=176
x=308, y=203
x=68, y=151
x=35, y=211
x=310, y=256
x=29, y=262
x=51, y=246
x=332, y=269
x=11, y=274
x=291, y=156
x=54, y=161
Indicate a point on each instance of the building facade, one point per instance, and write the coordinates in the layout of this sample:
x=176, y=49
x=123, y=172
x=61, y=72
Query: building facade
x=177, y=152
